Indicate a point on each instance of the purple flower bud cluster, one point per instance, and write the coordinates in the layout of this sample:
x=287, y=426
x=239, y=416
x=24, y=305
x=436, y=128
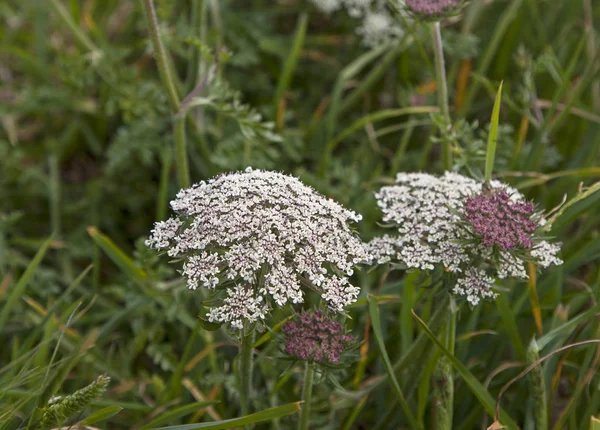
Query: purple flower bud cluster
x=433, y=9
x=314, y=336
x=501, y=221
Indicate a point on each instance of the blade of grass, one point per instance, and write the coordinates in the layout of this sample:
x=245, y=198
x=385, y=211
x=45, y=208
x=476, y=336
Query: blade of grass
x=349, y=72
x=510, y=325
x=354, y=414
x=374, y=117
x=267, y=415
x=509, y=14
x=376, y=324
x=118, y=257
x=579, y=319
x=490, y=154
x=178, y=413
x=290, y=64
x=19, y=288
x=485, y=399
x=101, y=415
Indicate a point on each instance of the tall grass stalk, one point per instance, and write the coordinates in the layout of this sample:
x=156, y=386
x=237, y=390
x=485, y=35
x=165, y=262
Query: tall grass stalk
x=442, y=89
x=162, y=60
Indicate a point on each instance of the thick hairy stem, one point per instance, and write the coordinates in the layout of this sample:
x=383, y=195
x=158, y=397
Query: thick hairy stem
x=443, y=375
x=442, y=89
x=245, y=369
x=309, y=373
x=538, y=388
x=162, y=60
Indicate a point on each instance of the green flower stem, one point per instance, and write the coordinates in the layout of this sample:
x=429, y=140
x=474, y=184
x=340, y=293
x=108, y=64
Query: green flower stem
x=309, y=373
x=443, y=375
x=245, y=369
x=442, y=89
x=162, y=60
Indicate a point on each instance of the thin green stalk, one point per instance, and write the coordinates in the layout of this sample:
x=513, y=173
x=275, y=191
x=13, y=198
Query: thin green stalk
x=162, y=60
x=442, y=89
x=309, y=374
x=193, y=57
x=163, y=198
x=245, y=369
x=55, y=212
x=181, y=159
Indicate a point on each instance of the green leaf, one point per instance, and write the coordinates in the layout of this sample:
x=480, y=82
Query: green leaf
x=595, y=423
x=209, y=326
x=178, y=413
x=549, y=337
x=19, y=289
x=269, y=334
x=477, y=389
x=493, y=137
x=268, y=415
x=290, y=64
x=509, y=323
x=376, y=324
x=118, y=257
x=101, y=415
x=574, y=207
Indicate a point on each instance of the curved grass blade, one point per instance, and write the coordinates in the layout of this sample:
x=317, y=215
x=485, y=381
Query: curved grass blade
x=178, y=413
x=377, y=116
x=101, y=415
x=550, y=336
x=267, y=415
x=477, y=389
x=19, y=289
x=376, y=324
x=290, y=64
x=118, y=256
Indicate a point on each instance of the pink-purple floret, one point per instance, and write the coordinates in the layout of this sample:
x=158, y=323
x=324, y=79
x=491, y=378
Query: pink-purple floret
x=500, y=221
x=432, y=7
x=313, y=336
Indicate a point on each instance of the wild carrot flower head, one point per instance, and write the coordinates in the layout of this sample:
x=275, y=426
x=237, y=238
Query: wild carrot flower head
x=266, y=231
x=500, y=221
x=450, y=222
x=433, y=10
x=313, y=336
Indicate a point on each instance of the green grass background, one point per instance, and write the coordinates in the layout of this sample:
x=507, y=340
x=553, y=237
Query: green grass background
x=87, y=165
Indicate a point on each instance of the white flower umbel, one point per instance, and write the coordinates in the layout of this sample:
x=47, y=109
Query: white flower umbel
x=422, y=207
x=429, y=215
x=545, y=254
x=266, y=230
x=239, y=306
x=475, y=286
x=376, y=22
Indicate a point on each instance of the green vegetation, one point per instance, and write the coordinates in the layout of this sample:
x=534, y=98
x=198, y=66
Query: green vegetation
x=108, y=108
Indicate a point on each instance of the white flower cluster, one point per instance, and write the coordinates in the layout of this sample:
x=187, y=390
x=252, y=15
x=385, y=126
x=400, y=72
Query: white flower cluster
x=377, y=24
x=267, y=231
x=426, y=212
x=239, y=306
x=475, y=285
